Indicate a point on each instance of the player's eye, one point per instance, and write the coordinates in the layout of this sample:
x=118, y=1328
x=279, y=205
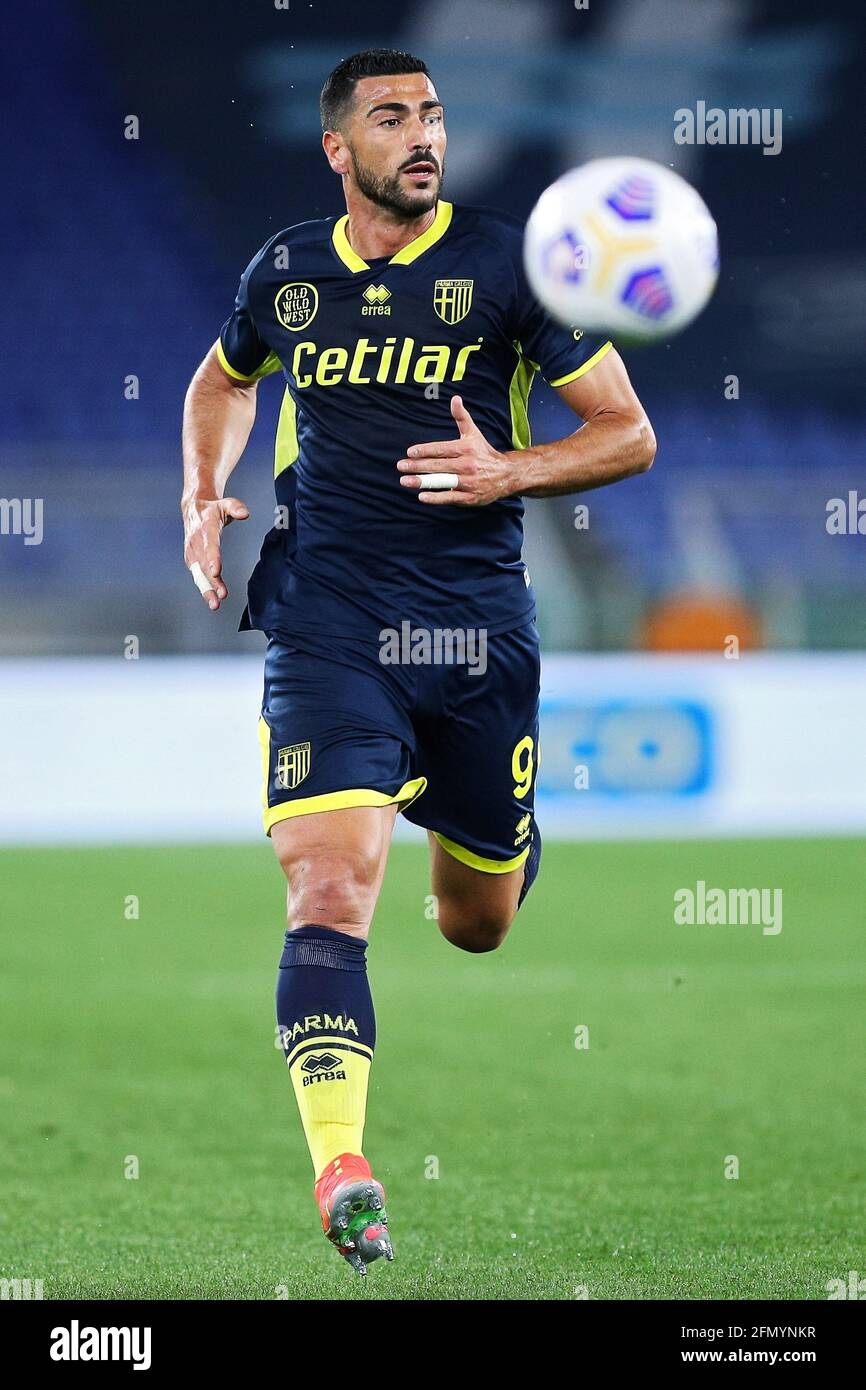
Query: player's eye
x=389, y=120
x=435, y=116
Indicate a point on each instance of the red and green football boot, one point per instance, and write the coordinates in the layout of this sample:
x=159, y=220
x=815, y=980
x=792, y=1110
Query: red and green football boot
x=352, y=1205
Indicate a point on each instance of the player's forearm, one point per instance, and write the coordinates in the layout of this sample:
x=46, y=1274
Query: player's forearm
x=609, y=447
x=217, y=420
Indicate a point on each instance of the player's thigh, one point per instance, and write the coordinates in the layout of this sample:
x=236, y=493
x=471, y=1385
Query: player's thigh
x=481, y=761
x=474, y=907
x=336, y=763
x=334, y=862
x=480, y=758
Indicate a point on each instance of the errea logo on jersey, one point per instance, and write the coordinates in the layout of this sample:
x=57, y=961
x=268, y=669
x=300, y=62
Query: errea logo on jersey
x=375, y=297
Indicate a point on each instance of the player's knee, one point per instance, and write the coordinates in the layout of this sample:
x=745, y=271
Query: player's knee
x=474, y=931
x=336, y=889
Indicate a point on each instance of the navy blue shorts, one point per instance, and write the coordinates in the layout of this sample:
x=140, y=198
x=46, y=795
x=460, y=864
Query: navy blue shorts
x=447, y=733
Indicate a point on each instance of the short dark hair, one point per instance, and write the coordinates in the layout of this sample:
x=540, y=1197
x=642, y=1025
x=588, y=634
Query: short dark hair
x=337, y=93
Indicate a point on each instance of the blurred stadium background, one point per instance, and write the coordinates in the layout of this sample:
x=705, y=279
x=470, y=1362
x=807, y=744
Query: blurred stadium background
x=121, y=258
x=127, y=712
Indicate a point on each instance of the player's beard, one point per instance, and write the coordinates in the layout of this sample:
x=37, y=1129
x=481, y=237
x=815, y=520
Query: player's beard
x=387, y=191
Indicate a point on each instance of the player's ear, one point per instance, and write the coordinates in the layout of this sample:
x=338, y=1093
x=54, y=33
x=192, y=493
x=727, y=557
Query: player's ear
x=336, y=152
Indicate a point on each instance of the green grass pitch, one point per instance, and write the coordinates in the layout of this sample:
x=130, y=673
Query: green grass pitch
x=559, y=1169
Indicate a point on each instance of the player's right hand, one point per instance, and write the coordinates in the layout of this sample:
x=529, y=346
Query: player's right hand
x=203, y=520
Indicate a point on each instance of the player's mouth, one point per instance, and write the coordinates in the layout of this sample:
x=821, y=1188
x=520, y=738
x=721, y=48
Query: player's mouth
x=420, y=171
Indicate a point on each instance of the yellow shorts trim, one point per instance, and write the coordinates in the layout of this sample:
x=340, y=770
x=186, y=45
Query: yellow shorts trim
x=477, y=861
x=341, y=801
x=581, y=371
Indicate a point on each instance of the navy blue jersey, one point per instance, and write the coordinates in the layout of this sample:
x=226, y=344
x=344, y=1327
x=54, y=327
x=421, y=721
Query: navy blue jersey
x=372, y=353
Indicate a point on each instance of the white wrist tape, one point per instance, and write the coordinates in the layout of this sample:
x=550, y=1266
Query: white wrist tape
x=199, y=578
x=438, y=482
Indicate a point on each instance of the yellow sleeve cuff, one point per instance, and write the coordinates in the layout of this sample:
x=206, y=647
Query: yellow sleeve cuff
x=584, y=367
x=271, y=364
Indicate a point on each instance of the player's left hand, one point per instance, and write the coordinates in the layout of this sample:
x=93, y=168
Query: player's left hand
x=483, y=474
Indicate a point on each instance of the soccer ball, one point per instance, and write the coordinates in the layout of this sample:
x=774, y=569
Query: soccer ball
x=622, y=246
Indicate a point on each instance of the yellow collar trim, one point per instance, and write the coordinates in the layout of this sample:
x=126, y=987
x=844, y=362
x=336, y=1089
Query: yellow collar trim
x=438, y=227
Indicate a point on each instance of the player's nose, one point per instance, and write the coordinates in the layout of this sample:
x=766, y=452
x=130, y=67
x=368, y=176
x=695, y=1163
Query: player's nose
x=417, y=134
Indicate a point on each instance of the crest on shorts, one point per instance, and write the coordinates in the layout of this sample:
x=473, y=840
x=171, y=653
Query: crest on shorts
x=452, y=299
x=295, y=305
x=293, y=765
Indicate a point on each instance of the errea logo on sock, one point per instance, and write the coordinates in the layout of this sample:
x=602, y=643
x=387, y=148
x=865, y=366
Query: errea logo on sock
x=319, y=1023
x=326, y=1061
x=324, y=1067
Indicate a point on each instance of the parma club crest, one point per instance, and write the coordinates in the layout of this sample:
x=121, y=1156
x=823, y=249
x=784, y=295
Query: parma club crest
x=293, y=765
x=452, y=299
x=295, y=305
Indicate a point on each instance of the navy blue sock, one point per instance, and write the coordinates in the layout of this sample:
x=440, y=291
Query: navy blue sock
x=328, y=1032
